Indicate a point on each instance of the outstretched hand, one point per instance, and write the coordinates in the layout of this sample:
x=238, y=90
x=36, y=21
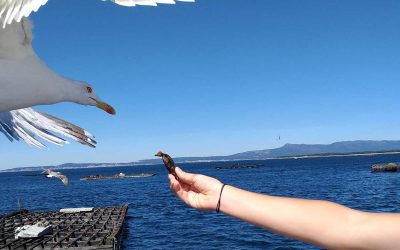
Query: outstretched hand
x=198, y=191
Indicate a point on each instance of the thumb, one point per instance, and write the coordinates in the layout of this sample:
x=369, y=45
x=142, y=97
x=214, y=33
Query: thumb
x=185, y=177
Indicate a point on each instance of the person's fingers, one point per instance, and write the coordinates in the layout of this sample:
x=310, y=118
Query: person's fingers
x=181, y=193
x=185, y=177
x=174, y=184
x=171, y=178
x=171, y=183
x=181, y=190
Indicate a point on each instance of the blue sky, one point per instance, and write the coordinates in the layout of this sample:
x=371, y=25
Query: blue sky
x=220, y=77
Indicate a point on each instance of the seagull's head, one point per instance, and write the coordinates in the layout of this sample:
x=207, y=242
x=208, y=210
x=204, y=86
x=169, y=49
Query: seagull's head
x=89, y=97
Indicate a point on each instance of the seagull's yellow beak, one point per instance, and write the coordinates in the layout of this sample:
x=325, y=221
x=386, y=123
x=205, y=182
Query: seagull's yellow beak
x=106, y=107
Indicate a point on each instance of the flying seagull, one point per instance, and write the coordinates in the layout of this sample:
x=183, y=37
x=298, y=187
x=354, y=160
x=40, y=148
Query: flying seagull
x=52, y=174
x=26, y=81
x=11, y=10
x=168, y=162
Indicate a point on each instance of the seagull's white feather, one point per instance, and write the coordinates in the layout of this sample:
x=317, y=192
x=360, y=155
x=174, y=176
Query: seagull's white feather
x=11, y=10
x=30, y=125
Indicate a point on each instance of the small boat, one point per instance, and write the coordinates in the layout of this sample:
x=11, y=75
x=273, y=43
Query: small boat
x=117, y=176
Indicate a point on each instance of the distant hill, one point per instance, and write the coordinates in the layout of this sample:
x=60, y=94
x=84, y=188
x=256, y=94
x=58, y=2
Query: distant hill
x=287, y=150
x=314, y=149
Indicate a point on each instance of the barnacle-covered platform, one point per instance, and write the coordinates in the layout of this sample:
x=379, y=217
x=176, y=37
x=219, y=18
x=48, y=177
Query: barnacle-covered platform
x=100, y=228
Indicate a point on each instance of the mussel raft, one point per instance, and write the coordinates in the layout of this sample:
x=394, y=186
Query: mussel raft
x=96, y=228
x=117, y=176
x=389, y=167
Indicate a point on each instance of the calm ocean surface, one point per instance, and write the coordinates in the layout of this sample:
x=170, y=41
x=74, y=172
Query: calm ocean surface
x=157, y=220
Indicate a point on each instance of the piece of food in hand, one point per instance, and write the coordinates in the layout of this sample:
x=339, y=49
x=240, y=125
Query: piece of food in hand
x=169, y=163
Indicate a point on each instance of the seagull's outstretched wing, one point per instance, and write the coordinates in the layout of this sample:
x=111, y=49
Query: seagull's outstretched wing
x=63, y=178
x=31, y=125
x=11, y=10
x=46, y=171
x=51, y=174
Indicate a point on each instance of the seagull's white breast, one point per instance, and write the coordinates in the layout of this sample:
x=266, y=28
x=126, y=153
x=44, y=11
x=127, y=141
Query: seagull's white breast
x=28, y=82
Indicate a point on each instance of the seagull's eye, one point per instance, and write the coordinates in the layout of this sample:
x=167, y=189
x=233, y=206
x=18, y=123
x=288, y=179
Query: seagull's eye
x=89, y=90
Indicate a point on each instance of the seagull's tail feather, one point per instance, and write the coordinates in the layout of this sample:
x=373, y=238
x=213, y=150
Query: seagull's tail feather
x=31, y=125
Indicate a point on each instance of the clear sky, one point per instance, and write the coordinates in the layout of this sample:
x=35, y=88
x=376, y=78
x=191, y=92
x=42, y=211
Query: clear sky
x=218, y=77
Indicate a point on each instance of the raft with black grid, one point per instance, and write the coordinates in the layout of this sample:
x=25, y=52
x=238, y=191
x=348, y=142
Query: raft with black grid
x=101, y=228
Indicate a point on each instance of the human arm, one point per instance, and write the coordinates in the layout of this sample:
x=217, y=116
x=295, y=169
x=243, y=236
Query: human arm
x=321, y=223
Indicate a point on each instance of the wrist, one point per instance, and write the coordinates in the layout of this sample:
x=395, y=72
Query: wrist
x=229, y=200
x=213, y=197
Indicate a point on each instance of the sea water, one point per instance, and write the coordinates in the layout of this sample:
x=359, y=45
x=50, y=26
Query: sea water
x=158, y=220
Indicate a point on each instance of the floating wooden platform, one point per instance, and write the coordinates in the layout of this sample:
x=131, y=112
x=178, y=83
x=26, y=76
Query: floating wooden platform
x=101, y=177
x=389, y=167
x=100, y=228
x=240, y=166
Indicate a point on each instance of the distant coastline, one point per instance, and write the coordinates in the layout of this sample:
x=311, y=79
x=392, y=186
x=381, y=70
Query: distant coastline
x=288, y=151
x=132, y=164
x=341, y=155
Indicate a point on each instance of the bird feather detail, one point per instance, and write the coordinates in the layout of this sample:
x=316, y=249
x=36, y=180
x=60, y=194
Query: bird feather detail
x=11, y=10
x=33, y=127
